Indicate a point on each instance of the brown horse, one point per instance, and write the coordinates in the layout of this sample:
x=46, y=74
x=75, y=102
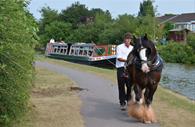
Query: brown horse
x=144, y=67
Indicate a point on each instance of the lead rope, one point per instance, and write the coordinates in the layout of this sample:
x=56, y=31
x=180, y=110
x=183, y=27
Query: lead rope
x=105, y=59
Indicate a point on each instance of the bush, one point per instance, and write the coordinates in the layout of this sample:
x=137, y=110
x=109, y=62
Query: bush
x=191, y=40
x=177, y=53
x=17, y=39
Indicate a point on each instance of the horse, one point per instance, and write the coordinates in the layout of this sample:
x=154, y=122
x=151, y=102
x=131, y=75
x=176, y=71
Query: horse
x=144, y=67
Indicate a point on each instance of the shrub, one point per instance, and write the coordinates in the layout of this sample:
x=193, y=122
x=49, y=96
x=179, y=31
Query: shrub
x=177, y=53
x=17, y=39
x=191, y=40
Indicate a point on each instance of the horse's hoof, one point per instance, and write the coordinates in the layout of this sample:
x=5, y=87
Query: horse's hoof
x=154, y=121
x=147, y=122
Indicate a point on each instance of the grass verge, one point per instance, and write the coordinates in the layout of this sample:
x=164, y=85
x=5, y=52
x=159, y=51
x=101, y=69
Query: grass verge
x=52, y=104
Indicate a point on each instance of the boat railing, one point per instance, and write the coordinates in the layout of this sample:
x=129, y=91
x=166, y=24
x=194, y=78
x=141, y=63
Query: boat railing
x=56, y=48
x=81, y=49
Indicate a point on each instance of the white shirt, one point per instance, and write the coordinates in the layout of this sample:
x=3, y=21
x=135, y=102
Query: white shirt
x=122, y=51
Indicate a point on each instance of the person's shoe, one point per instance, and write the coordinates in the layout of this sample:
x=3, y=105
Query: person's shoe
x=123, y=107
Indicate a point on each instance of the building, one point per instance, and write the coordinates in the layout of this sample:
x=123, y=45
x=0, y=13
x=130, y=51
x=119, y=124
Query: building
x=182, y=21
x=178, y=35
x=183, y=24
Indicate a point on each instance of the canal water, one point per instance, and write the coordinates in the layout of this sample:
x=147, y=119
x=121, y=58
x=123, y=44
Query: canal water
x=179, y=78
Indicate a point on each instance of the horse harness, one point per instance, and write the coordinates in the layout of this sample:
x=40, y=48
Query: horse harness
x=154, y=65
x=157, y=65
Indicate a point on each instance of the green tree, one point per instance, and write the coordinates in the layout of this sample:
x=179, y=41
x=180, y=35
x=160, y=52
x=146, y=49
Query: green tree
x=148, y=25
x=73, y=13
x=57, y=30
x=167, y=26
x=146, y=9
x=98, y=11
x=147, y=21
x=93, y=29
x=48, y=15
x=115, y=30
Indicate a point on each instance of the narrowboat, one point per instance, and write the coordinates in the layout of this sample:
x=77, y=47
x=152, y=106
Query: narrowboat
x=88, y=53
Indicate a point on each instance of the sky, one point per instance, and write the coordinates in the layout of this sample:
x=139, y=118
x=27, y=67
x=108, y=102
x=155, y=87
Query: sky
x=116, y=7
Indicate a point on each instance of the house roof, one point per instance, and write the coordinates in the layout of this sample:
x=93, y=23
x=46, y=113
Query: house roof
x=185, y=17
x=165, y=18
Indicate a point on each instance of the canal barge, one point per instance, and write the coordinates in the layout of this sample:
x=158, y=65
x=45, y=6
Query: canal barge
x=88, y=53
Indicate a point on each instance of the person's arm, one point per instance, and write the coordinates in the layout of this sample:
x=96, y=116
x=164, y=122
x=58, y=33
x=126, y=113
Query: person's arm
x=119, y=55
x=121, y=60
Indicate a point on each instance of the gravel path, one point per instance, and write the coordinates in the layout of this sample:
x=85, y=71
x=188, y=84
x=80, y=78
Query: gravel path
x=100, y=101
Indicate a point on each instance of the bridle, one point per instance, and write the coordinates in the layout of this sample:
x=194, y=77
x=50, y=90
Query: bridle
x=149, y=62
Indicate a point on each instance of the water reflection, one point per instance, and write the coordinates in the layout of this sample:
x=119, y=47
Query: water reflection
x=179, y=78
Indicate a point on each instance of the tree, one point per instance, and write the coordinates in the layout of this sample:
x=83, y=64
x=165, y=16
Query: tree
x=167, y=26
x=92, y=29
x=115, y=30
x=148, y=25
x=73, y=13
x=98, y=11
x=48, y=15
x=147, y=21
x=57, y=30
x=146, y=9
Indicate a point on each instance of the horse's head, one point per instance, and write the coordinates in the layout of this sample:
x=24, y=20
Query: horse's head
x=145, y=51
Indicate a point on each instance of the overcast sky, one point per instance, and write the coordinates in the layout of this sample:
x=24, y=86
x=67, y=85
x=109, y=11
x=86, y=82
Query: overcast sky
x=116, y=7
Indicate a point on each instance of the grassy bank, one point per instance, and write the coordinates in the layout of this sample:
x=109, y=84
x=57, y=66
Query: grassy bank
x=173, y=110
x=52, y=104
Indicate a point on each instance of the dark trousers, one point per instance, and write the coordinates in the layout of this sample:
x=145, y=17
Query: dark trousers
x=124, y=95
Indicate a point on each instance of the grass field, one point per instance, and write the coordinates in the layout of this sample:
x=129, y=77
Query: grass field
x=52, y=104
x=172, y=109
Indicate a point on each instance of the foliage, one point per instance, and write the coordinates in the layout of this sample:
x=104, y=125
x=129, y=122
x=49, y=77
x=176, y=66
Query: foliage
x=59, y=30
x=177, y=53
x=73, y=13
x=148, y=24
x=48, y=15
x=95, y=25
x=79, y=24
x=191, y=40
x=115, y=31
x=167, y=26
x=146, y=9
x=17, y=40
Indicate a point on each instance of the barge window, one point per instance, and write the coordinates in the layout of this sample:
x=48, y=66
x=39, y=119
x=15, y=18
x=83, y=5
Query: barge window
x=76, y=52
x=90, y=53
x=81, y=52
x=72, y=52
x=55, y=50
x=61, y=50
x=58, y=50
x=65, y=51
x=85, y=53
